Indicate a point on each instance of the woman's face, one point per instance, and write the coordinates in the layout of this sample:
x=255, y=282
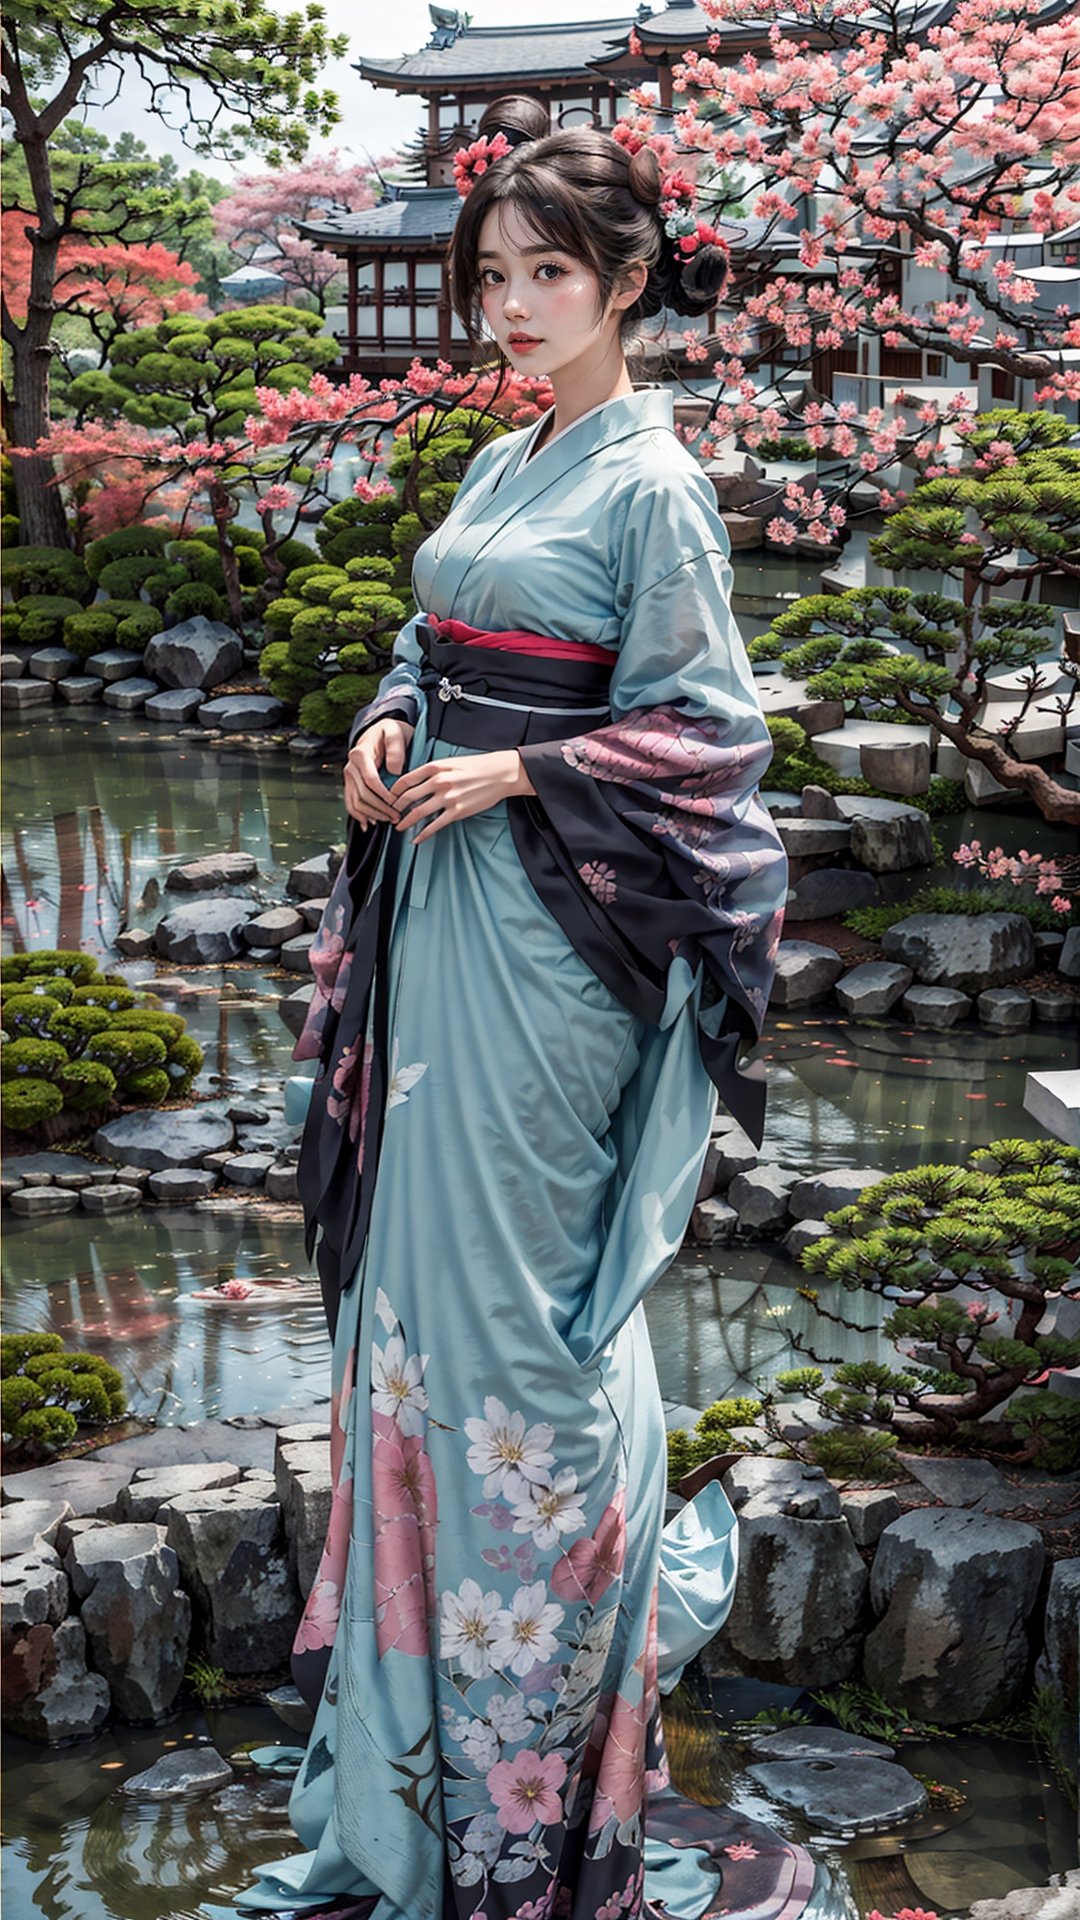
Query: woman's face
x=543, y=306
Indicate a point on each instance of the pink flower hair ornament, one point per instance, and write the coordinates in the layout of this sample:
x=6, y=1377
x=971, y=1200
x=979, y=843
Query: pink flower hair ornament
x=471, y=162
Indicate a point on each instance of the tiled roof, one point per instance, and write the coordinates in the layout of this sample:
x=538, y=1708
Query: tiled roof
x=418, y=213
x=485, y=54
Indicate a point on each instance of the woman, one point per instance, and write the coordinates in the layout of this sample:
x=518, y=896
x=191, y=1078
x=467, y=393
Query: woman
x=556, y=926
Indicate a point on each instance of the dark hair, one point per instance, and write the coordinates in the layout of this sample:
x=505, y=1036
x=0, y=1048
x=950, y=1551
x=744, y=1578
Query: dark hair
x=584, y=194
x=517, y=116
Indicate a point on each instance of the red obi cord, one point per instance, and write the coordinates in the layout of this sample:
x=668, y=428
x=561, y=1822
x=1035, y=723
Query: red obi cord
x=540, y=645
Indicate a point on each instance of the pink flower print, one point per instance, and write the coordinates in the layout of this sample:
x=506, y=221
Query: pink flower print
x=525, y=1790
x=351, y=1087
x=405, y=1501
x=600, y=880
x=325, y=958
x=742, y=1850
x=587, y=1569
x=318, y=1626
x=341, y=982
x=339, y=1416
x=537, y=1909
x=620, y=1782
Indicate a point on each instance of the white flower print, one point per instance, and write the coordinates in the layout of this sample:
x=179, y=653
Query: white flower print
x=385, y=1311
x=587, y=1671
x=550, y=1509
x=509, y=1715
x=397, y=1385
x=485, y=1836
x=525, y=1630
x=480, y=1744
x=402, y=1079
x=467, y=1628
x=510, y=1457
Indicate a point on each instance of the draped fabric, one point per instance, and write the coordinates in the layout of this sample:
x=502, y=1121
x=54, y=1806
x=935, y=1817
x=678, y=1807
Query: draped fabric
x=506, y=1135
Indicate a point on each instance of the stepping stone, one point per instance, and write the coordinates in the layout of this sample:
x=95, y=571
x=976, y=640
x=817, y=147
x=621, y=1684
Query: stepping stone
x=215, y=870
x=803, y=1234
x=135, y=943
x=194, y=1770
x=273, y=928
x=935, y=1006
x=30, y=1524
x=872, y=988
x=52, y=663
x=26, y=696
x=820, y=1743
x=34, y=1203
x=1004, y=1010
x=12, y=666
x=295, y=1007
x=114, y=1199
x=1054, y=1007
x=1053, y=1099
x=760, y=1197
x=891, y=845
x=152, y=1486
x=248, y=1169
x=1008, y=687
x=178, y=1185
x=822, y=1193
x=241, y=712
x=177, y=704
x=281, y=1184
x=114, y=663
x=809, y=839
x=90, y=1486
x=804, y=972
x=849, y=1795
x=840, y=747
x=1038, y=734
x=958, y=1483
x=81, y=690
x=313, y=879
x=312, y=911
x=713, y=1223
x=127, y=696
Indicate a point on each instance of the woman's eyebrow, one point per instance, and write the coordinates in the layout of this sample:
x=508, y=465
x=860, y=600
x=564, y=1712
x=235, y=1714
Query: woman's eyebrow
x=545, y=246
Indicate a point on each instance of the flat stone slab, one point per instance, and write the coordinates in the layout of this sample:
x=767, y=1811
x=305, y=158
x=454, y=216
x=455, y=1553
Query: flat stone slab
x=1053, y=1099
x=160, y=1140
x=79, y=690
x=855, y=1795
x=114, y=663
x=177, y=704
x=1004, y=1010
x=37, y=1203
x=809, y=839
x=89, y=1485
x=193, y=1770
x=312, y=879
x=204, y=1440
x=117, y=1198
x=176, y=1186
x=25, y=1523
x=818, y=1743
x=25, y=695
x=248, y=1169
x=52, y=663
x=295, y=955
x=152, y=1486
x=840, y=747
x=959, y=1483
x=127, y=696
x=215, y=870
x=826, y=892
x=51, y=1163
x=935, y=1006
x=241, y=712
x=1054, y=1008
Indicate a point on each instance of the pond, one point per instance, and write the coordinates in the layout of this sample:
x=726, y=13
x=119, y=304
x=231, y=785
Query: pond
x=98, y=808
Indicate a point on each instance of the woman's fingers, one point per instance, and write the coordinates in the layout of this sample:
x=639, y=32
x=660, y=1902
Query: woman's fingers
x=363, y=783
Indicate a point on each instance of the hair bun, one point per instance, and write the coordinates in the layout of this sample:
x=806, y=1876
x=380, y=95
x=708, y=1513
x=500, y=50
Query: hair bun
x=644, y=177
x=703, y=277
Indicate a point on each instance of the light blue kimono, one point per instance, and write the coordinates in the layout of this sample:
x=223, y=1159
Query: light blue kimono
x=489, y=1731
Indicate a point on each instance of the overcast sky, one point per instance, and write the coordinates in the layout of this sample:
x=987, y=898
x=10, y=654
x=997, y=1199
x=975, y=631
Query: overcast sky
x=371, y=117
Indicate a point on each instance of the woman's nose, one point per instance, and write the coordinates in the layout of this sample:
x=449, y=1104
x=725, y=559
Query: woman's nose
x=514, y=305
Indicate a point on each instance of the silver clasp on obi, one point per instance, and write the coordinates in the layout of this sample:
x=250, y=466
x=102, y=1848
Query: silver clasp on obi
x=449, y=689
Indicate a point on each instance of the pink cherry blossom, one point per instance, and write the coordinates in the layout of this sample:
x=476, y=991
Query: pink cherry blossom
x=525, y=1790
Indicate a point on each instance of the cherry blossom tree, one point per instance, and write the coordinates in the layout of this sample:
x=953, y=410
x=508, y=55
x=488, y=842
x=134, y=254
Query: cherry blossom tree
x=888, y=154
x=263, y=211
x=110, y=285
x=235, y=76
x=116, y=473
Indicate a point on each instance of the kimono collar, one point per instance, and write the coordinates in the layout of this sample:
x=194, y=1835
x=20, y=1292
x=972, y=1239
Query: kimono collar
x=515, y=483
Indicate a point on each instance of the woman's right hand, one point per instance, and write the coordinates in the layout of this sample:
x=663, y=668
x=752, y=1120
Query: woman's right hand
x=383, y=746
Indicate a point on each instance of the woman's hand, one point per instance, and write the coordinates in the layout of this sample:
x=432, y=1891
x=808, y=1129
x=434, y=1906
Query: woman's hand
x=448, y=790
x=384, y=745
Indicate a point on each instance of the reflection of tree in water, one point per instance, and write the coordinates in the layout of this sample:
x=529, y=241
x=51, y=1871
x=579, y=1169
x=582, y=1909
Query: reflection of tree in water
x=204, y=1848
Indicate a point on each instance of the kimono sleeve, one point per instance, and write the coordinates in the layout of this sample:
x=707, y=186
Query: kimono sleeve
x=398, y=697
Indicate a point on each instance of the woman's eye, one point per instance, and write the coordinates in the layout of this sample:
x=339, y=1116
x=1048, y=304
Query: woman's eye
x=490, y=277
x=549, y=267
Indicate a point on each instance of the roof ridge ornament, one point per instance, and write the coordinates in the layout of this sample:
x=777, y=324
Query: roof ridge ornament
x=448, y=24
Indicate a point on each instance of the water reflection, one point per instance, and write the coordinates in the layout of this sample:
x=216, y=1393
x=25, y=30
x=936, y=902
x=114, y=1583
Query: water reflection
x=124, y=1291
x=133, y=805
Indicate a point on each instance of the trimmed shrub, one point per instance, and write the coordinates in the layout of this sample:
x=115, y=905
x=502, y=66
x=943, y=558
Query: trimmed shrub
x=87, y=1085
x=101, y=993
x=169, y=1026
x=126, y=543
x=90, y=632
x=46, y=1391
x=55, y=986
x=40, y=618
x=24, y=1104
x=52, y=570
x=138, y=628
x=332, y=709
x=40, y=1059
x=196, y=596
x=27, y=1013
x=151, y=1084
x=126, y=1053
x=74, y=1026
x=66, y=960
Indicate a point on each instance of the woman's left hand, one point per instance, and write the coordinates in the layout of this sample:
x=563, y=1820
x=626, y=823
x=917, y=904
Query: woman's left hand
x=453, y=789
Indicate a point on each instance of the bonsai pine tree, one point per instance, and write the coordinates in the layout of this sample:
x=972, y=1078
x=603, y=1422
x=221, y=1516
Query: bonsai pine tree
x=1004, y=1230
x=1011, y=513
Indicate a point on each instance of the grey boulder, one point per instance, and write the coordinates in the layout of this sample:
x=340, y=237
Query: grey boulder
x=196, y=1770
x=305, y=1490
x=845, y=1795
x=872, y=988
x=197, y=653
x=954, y=1590
x=935, y=1006
x=1004, y=1009
x=274, y=927
x=804, y=972
x=159, y=1140
x=312, y=879
x=241, y=712
x=822, y=1193
x=205, y=931
x=51, y=1696
x=760, y=1196
x=828, y=891
x=214, y=870
x=960, y=950
x=153, y=1486
x=890, y=845
x=136, y=1615
x=232, y=1550
x=177, y=705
